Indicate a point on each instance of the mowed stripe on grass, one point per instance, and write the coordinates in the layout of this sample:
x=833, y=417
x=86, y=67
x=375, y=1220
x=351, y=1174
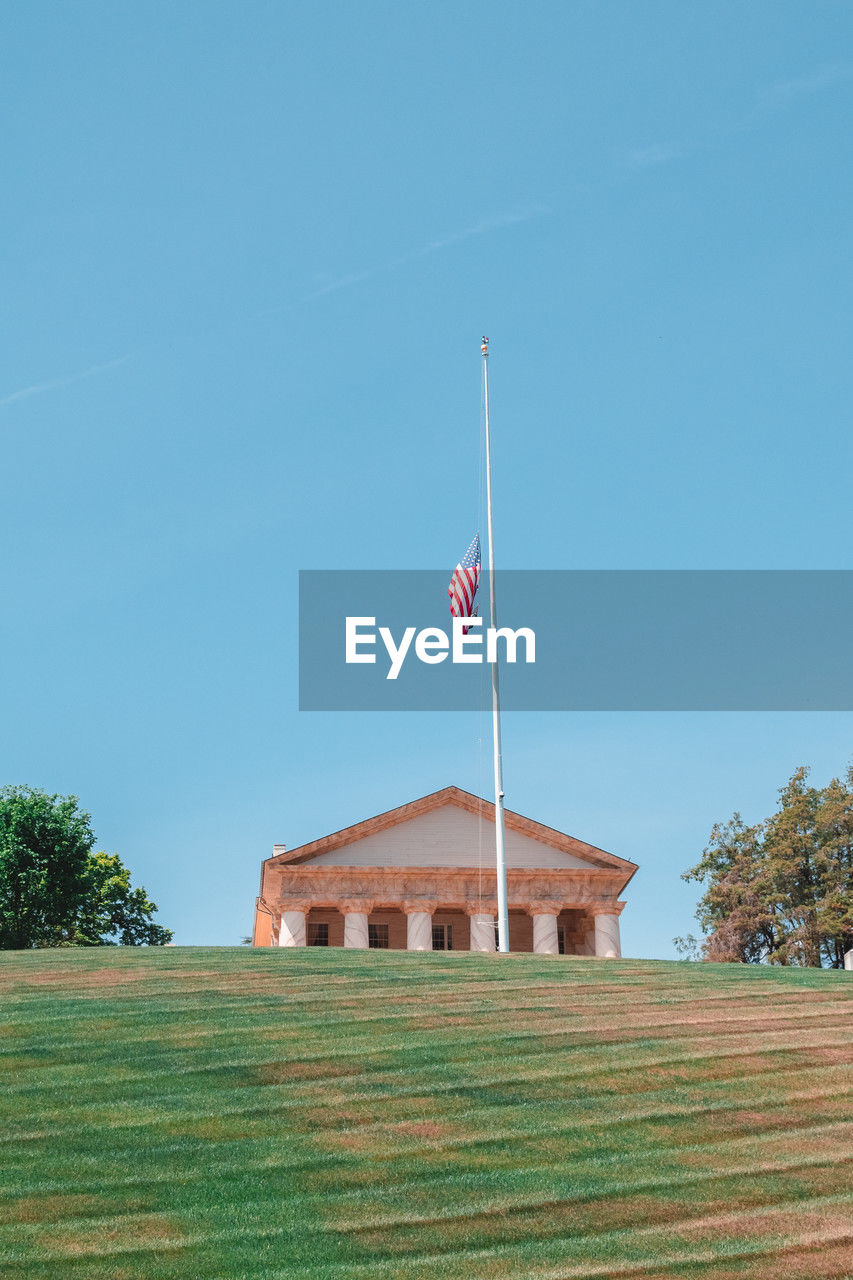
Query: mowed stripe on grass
x=228, y=1113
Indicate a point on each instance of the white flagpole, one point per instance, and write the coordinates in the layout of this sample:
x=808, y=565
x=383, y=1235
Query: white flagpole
x=500, y=856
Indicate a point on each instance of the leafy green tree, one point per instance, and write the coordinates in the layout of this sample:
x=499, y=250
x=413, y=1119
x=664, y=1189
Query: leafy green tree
x=835, y=823
x=112, y=911
x=45, y=843
x=54, y=891
x=782, y=890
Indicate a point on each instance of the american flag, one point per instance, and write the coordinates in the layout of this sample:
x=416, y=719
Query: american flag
x=464, y=583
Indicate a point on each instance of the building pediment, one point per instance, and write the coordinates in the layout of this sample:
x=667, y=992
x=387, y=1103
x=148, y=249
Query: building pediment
x=453, y=828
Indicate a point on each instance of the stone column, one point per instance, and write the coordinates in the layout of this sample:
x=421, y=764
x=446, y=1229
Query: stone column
x=419, y=913
x=848, y=959
x=545, y=942
x=356, y=911
x=291, y=930
x=482, y=918
x=607, y=932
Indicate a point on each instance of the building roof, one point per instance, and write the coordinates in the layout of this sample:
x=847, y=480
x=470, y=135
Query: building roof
x=470, y=803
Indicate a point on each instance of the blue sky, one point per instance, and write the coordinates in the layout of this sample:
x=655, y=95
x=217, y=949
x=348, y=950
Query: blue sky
x=248, y=254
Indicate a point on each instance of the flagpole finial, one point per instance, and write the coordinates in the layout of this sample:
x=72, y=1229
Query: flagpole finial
x=484, y=346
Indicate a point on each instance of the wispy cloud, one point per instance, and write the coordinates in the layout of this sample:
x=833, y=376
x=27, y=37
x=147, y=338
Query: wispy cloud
x=784, y=91
x=481, y=228
x=656, y=154
x=53, y=384
x=768, y=98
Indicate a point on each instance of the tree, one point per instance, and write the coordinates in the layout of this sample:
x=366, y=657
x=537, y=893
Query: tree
x=782, y=890
x=45, y=842
x=54, y=891
x=112, y=911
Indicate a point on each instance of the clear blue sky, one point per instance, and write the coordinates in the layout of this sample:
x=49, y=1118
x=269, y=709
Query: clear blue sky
x=248, y=253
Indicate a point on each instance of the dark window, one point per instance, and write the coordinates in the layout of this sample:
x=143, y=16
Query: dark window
x=442, y=937
x=318, y=935
x=561, y=940
x=377, y=935
x=497, y=937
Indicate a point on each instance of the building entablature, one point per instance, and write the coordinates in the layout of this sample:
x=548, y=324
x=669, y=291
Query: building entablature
x=456, y=887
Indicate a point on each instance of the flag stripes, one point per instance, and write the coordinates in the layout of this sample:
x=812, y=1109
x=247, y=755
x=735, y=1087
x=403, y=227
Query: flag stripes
x=464, y=583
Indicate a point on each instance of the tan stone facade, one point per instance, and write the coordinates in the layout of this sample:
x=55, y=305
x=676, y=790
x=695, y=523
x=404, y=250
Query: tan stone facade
x=421, y=877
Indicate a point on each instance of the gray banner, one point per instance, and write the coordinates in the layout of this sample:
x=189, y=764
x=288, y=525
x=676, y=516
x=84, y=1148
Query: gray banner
x=605, y=640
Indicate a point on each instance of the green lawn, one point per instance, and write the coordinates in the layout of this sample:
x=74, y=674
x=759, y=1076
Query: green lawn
x=215, y=1114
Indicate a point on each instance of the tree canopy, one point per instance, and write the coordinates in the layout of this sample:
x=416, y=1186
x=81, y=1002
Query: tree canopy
x=781, y=891
x=54, y=890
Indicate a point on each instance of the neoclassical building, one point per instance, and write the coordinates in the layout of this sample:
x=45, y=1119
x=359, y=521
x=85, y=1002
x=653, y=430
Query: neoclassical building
x=422, y=878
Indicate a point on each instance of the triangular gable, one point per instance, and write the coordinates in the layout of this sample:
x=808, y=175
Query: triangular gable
x=537, y=831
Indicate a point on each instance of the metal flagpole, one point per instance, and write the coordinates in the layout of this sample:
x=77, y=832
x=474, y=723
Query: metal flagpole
x=500, y=856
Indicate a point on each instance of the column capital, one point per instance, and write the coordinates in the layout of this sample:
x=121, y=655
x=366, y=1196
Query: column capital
x=605, y=908
x=358, y=906
x=544, y=907
x=295, y=904
x=481, y=908
x=411, y=905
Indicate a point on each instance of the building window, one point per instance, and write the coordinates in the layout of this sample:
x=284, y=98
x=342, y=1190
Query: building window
x=497, y=937
x=442, y=937
x=377, y=935
x=318, y=935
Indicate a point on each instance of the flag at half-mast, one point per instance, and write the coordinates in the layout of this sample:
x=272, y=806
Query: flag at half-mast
x=464, y=583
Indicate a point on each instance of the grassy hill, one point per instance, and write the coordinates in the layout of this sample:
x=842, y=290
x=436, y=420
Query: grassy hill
x=220, y=1114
